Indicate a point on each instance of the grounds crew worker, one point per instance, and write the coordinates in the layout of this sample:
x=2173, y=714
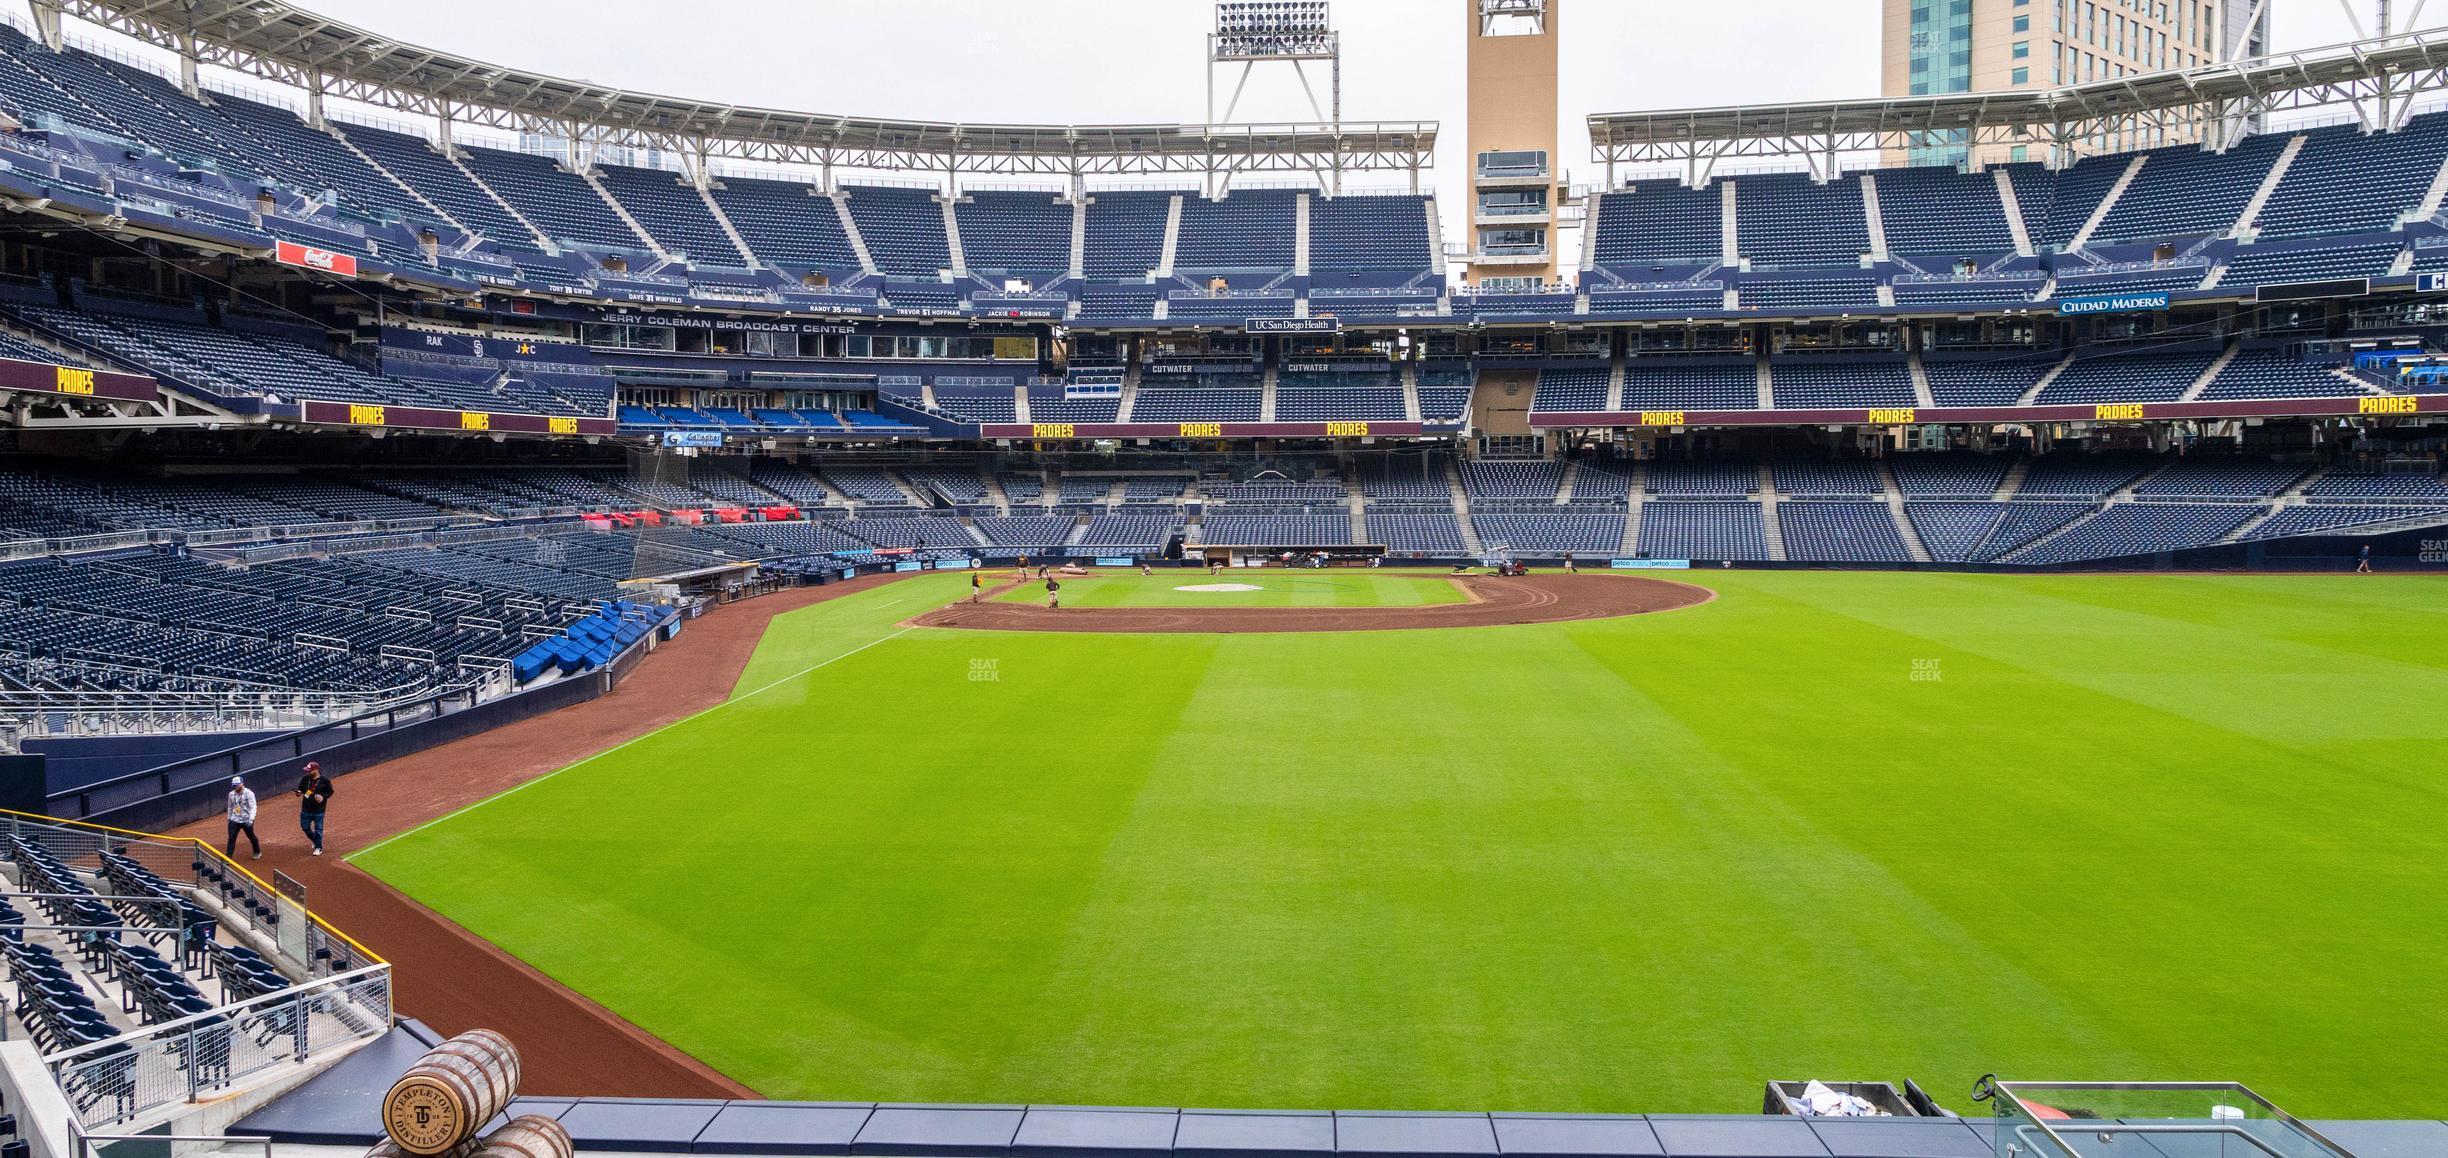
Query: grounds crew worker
x=314, y=794
x=241, y=819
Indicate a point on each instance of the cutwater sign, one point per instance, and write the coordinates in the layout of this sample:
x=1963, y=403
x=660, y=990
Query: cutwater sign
x=2112, y=303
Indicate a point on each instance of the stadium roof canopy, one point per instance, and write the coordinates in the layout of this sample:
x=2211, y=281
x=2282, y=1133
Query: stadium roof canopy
x=285, y=44
x=2377, y=79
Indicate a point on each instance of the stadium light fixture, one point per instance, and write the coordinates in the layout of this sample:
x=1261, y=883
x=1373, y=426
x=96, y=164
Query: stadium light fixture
x=1512, y=17
x=1255, y=32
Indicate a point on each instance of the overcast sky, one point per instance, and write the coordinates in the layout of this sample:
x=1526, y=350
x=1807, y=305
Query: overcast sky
x=1090, y=61
x=1142, y=60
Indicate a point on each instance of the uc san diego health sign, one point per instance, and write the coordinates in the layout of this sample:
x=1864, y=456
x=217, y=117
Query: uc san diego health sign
x=2112, y=303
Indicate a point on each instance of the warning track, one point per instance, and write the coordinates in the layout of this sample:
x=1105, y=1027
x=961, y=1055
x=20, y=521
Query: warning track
x=1494, y=602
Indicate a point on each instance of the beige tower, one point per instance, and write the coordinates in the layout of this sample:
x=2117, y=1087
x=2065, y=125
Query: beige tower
x=1512, y=138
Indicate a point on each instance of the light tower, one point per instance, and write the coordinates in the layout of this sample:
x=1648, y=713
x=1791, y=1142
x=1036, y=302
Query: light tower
x=1511, y=74
x=1254, y=32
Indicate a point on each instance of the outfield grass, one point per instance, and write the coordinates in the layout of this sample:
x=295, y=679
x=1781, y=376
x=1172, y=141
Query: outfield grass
x=2122, y=827
x=1275, y=588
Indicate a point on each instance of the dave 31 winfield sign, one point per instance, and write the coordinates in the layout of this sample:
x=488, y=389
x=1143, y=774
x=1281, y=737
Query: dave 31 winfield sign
x=308, y=257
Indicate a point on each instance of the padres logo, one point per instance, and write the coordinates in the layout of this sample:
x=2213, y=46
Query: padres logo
x=422, y=1118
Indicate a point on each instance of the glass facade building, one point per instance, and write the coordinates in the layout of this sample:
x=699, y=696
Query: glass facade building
x=1936, y=47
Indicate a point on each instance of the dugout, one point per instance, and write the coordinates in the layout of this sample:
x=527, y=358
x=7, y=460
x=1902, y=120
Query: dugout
x=1272, y=555
x=723, y=581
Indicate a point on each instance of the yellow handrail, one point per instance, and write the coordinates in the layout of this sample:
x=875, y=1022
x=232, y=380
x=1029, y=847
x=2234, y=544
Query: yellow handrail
x=204, y=846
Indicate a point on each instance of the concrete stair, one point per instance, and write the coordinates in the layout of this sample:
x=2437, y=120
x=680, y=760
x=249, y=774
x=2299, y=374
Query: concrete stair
x=729, y=230
x=2013, y=482
x=2433, y=197
x=1871, y=218
x=1633, y=510
x=1589, y=234
x=1079, y=236
x=388, y=175
x=2244, y=222
x=2193, y=392
x=2268, y=512
x=2363, y=383
x=2124, y=181
x=2051, y=537
x=1172, y=241
x=1300, y=236
x=1461, y=508
x=1130, y=393
x=2014, y=213
x=621, y=211
x=952, y=237
x=1774, y=529
x=850, y=229
x=1903, y=521
x=2043, y=381
x=498, y=199
x=1729, y=228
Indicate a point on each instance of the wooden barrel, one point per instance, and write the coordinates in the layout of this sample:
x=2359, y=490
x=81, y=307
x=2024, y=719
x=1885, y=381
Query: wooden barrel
x=527, y=1136
x=451, y=1092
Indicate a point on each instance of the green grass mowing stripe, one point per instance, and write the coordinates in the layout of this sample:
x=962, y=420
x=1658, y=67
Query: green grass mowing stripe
x=2132, y=830
x=736, y=697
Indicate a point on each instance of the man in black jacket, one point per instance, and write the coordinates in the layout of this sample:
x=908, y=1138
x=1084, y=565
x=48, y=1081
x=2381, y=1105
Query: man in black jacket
x=314, y=795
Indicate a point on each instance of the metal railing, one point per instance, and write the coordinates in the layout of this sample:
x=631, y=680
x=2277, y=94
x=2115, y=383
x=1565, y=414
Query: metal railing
x=106, y=795
x=88, y=1145
x=345, y=996
x=79, y=544
x=247, y=899
x=198, y=1056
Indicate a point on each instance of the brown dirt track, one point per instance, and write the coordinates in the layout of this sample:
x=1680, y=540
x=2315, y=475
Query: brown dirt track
x=454, y=980
x=1493, y=602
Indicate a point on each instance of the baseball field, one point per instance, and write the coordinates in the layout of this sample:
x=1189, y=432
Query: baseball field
x=1838, y=825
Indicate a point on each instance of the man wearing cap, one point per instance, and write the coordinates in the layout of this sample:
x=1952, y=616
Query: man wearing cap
x=241, y=819
x=314, y=793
